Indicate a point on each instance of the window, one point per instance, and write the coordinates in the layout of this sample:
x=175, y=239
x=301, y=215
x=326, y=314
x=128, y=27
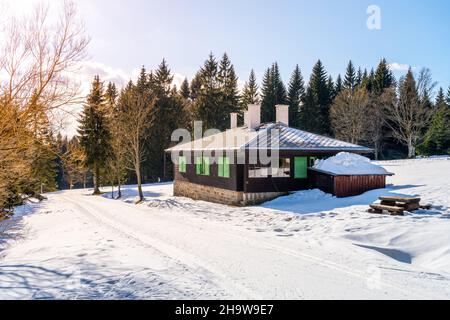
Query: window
x=202, y=166
x=182, y=164
x=283, y=170
x=258, y=171
x=301, y=167
x=312, y=161
x=223, y=167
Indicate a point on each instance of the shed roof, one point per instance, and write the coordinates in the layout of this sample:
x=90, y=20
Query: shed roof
x=242, y=138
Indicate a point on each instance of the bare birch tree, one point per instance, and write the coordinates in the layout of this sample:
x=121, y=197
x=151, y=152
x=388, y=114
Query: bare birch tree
x=37, y=57
x=375, y=119
x=135, y=108
x=408, y=117
x=349, y=116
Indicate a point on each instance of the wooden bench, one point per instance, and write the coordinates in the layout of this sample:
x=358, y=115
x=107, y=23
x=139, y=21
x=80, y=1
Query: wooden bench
x=393, y=210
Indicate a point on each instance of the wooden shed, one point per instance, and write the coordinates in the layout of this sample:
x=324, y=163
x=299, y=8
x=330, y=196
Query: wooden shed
x=346, y=185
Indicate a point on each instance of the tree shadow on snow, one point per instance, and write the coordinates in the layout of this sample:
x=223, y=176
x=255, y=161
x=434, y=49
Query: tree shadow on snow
x=83, y=280
x=11, y=227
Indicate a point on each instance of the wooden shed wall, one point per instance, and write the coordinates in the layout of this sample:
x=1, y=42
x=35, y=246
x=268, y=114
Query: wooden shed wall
x=346, y=186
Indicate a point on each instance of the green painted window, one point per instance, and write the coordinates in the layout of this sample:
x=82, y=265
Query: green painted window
x=223, y=167
x=182, y=164
x=205, y=171
x=198, y=165
x=301, y=167
x=202, y=166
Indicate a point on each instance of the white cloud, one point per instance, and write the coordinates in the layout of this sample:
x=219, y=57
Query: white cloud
x=399, y=67
x=178, y=79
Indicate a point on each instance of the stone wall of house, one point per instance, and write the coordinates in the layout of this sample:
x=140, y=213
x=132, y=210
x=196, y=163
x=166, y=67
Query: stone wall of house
x=218, y=195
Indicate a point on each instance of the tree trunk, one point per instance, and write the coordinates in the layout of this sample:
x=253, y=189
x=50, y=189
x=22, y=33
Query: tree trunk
x=119, y=183
x=112, y=191
x=95, y=178
x=119, y=191
x=376, y=150
x=139, y=182
x=411, y=150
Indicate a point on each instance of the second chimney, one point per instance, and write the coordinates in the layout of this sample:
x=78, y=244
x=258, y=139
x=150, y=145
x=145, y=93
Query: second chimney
x=253, y=116
x=282, y=114
x=233, y=120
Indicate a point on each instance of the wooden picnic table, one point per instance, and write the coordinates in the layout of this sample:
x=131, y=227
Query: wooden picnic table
x=400, y=199
x=397, y=205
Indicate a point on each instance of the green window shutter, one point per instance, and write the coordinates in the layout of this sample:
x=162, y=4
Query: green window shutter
x=220, y=166
x=301, y=167
x=198, y=165
x=182, y=164
x=206, y=166
x=226, y=167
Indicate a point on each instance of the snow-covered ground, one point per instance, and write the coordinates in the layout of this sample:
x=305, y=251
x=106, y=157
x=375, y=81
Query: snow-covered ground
x=306, y=245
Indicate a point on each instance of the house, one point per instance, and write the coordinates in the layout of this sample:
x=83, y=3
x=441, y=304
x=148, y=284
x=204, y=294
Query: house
x=252, y=163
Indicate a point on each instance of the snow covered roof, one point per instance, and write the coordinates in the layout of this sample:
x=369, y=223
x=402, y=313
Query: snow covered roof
x=242, y=138
x=345, y=163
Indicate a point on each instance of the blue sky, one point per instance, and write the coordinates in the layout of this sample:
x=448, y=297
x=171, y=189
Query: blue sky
x=128, y=34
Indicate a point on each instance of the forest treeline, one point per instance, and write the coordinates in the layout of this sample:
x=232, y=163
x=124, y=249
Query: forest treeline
x=123, y=132
x=128, y=131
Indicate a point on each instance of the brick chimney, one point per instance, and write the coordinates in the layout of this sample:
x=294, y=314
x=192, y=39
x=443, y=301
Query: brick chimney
x=233, y=120
x=253, y=114
x=282, y=114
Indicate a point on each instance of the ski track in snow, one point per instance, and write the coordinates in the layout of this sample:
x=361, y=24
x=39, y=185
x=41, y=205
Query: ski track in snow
x=306, y=245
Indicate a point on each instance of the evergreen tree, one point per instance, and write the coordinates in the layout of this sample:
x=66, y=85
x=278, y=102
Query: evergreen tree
x=280, y=89
x=273, y=92
x=250, y=92
x=144, y=80
x=440, y=99
x=383, y=77
x=339, y=86
x=437, y=137
x=350, y=77
x=228, y=88
x=331, y=88
x=111, y=95
x=448, y=97
x=295, y=96
x=196, y=85
x=366, y=81
x=315, y=110
x=268, y=97
x=208, y=102
x=166, y=116
x=94, y=133
x=359, y=77
x=185, y=91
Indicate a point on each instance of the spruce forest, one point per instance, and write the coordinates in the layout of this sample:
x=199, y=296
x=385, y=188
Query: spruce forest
x=123, y=132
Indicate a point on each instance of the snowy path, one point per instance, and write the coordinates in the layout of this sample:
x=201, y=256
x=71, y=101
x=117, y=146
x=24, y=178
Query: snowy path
x=80, y=246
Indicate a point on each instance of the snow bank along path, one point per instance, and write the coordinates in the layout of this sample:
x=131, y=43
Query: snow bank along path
x=307, y=245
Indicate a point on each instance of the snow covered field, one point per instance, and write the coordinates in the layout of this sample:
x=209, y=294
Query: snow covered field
x=304, y=246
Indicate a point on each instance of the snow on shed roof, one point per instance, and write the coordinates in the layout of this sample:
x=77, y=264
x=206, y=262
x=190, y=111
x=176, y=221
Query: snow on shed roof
x=345, y=163
x=242, y=138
